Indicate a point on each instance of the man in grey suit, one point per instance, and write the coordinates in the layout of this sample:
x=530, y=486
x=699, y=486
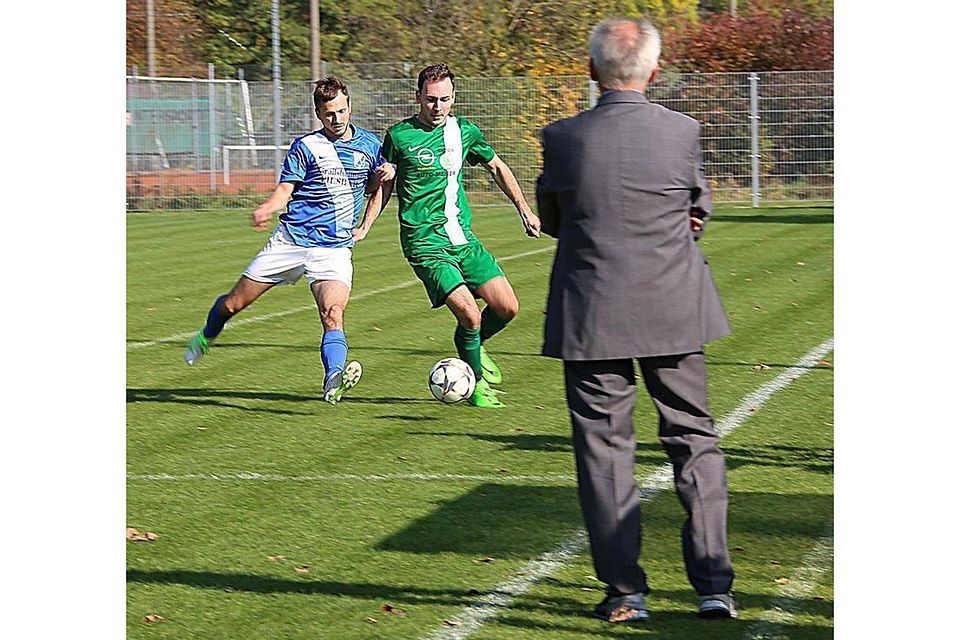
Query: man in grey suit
x=623, y=189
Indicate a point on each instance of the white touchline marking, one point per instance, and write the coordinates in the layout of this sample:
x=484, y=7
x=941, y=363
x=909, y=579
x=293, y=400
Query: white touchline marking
x=348, y=477
x=233, y=324
x=489, y=605
x=815, y=565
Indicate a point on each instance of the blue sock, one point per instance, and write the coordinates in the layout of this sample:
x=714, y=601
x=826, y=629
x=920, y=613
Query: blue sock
x=333, y=351
x=215, y=320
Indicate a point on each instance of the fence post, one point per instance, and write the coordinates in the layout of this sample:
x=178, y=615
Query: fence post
x=195, y=111
x=211, y=74
x=134, y=142
x=755, y=139
x=275, y=28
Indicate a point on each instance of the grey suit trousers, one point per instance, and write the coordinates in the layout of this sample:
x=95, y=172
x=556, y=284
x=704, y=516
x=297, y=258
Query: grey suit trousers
x=601, y=395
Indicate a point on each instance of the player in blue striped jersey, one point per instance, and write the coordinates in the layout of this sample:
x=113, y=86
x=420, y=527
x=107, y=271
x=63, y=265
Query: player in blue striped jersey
x=322, y=184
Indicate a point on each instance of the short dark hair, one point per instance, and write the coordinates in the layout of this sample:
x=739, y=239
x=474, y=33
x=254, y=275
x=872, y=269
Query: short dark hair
x=433, y=73
x=327, y=89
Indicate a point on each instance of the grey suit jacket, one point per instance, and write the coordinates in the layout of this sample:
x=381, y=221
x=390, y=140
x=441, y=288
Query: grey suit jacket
x=618, y=186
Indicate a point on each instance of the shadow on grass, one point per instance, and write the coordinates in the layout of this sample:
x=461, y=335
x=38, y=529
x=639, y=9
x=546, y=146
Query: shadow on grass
x=803, y=514
x=518, y=442
x=673, y=623
x=570, y=611
x=219, y=398
x=265, y=584
x=499, y=521
x=813, y=459
x=215, y=398
x=522, y=522
x=312, y=348
x=785, y=218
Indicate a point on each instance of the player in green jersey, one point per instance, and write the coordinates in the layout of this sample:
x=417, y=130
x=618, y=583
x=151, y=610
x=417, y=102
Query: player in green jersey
x=429, y=151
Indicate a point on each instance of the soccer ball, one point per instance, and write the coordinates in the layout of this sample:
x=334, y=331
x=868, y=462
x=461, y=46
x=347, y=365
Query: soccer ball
x=452, y=380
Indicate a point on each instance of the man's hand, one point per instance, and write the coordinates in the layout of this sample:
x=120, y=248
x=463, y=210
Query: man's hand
x=386, y=172
x=696, y=224
x=277, y=201
x=531, y=224
x=360, y=233
x=261, y=218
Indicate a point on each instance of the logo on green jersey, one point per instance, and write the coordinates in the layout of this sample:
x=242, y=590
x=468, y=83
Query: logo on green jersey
x=426, y=157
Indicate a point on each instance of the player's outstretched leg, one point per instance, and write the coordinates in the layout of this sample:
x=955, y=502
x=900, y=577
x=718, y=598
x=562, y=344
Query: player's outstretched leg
x=199, y=346
x=225, y=307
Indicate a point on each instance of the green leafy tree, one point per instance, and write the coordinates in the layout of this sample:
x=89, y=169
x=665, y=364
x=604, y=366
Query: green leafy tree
x=239, y=36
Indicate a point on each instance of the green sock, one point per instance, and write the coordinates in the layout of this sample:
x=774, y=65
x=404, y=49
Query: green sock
x=468, y=347
x=490, y=324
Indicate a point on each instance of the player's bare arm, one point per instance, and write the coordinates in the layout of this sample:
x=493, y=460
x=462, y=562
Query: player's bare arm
x=277, y=201
x=372, y=211
x=507, y=182
x=378, y=188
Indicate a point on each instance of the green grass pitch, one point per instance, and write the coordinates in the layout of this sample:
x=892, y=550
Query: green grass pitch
x=280, y=516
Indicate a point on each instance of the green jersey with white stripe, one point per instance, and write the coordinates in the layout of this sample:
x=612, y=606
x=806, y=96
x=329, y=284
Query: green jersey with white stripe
x=434, y=213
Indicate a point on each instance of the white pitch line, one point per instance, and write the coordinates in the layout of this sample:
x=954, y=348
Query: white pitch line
x=756, y=399
x=804, y=580
x=279, y=314
x=347, y=477
x=489, y=605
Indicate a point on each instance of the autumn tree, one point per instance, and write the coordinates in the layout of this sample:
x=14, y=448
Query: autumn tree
x=178, y=37
x=758, y=41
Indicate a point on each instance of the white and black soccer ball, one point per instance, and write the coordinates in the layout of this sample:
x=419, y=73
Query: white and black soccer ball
x=452, y=380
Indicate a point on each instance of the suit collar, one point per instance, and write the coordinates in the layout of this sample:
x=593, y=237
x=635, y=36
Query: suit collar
x=629, y=96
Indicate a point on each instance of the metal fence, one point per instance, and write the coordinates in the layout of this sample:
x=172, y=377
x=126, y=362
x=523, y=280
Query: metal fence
x=209, y=143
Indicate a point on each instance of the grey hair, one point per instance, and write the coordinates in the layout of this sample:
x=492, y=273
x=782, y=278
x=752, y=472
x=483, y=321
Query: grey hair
x=624, y=51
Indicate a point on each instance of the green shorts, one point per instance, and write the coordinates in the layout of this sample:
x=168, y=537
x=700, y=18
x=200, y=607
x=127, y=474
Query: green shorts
x=443, y=271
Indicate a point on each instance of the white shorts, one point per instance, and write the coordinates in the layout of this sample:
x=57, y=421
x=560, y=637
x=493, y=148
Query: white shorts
x=281, y=261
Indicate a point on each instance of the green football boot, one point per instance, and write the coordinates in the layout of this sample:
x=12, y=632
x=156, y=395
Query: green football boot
x=340, y=382
x=489, y=369
x=484, y=396
x=197, y=348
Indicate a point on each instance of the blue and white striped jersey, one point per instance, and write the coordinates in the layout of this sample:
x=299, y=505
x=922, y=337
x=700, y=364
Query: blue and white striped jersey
x=330, y=177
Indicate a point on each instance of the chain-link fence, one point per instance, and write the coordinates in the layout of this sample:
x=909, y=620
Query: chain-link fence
x=210, y=144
